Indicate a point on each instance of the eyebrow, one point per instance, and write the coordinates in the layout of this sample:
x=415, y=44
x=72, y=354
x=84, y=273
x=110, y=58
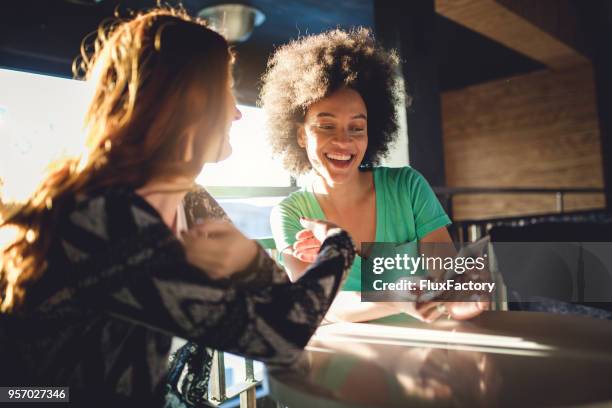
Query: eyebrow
x=327, y=114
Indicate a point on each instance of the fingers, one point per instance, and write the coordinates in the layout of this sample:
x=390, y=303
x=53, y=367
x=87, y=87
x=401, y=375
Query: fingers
x=467, y=310
x=214, y=247
x=306, y=244
x=192, y=236
x=206, y=254
x=424, y=311
x=213, y=261
x=308, y=257
x=303, y=234
x=214, y=227
x=218, y=248
x=431, y=311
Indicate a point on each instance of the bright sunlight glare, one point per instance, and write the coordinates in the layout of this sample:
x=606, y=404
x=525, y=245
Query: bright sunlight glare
x=41, y=119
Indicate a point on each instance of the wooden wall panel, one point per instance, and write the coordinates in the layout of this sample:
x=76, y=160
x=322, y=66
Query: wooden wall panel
x=534, y=130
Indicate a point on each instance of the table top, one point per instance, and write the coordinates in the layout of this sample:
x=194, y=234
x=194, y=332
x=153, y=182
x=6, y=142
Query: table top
x=497, y=359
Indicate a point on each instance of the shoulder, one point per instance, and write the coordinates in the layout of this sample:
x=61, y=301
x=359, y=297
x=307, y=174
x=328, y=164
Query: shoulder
x=104, y=224
x=110, y=212
x=199, y=203
x=398, y=176
x=198, y=193
x=293, y=206
x=297, y=199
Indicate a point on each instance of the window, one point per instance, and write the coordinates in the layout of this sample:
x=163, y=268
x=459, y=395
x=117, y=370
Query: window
x=251, y=162
x=41, y=118
x=250, y=182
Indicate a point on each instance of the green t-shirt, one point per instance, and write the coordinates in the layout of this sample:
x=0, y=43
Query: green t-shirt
x=407, y=209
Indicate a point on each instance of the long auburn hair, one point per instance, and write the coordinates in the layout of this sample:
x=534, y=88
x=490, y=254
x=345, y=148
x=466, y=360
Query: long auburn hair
x=157, y=76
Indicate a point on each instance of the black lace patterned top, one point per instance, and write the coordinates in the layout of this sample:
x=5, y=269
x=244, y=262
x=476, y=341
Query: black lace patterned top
x=118, y=287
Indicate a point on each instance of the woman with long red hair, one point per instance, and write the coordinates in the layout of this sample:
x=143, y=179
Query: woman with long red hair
x=103, y=269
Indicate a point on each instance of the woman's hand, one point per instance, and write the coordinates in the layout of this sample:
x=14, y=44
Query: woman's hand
x=304, y=251
x=433, y=310
x=218, y=248
x=309, y=240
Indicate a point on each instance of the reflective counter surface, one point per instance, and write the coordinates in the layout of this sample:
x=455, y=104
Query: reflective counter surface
x=497, y=359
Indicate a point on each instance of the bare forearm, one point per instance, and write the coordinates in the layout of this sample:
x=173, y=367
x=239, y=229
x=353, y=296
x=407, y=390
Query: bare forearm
x=347, y=306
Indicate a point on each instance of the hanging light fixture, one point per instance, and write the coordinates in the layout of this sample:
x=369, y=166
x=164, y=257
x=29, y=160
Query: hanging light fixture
x=234, y=21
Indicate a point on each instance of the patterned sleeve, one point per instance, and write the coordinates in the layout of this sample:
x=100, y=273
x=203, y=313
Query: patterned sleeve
x=127, y=263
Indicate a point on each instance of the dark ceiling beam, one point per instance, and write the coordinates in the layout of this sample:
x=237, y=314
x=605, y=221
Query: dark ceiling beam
x=496, y=20
x=409, y=27
x=556, y=17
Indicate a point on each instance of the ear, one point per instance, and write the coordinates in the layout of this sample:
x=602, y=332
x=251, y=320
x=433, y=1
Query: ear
x=301, y=136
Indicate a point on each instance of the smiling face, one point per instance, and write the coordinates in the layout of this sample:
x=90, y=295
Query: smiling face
x=335, y=135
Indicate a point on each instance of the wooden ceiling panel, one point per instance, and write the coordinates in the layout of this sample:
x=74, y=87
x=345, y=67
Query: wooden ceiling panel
x=495, y=21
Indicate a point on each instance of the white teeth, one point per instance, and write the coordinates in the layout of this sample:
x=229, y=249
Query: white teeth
x=337, y=156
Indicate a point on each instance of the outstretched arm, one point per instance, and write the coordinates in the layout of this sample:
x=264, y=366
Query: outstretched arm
x=141, y=274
